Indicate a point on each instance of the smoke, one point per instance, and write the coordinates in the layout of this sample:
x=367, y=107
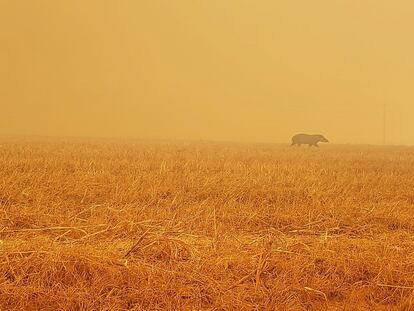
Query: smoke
x=225, y=70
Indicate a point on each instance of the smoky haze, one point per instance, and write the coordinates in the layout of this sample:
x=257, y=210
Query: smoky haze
x=221, y=70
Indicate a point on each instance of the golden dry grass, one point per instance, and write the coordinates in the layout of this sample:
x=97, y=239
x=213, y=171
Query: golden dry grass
x=111, y=225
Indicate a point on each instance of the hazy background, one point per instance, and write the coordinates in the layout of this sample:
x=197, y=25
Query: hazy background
x=213, y=69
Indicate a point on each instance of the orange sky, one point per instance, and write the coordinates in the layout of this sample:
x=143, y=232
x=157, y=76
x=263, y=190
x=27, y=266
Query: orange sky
x=196, y=69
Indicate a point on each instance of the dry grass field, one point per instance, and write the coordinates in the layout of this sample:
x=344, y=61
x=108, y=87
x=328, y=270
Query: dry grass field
x=133, y=225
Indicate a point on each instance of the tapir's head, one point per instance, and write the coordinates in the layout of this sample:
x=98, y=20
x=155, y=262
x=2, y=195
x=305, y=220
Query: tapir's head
x=323, y=139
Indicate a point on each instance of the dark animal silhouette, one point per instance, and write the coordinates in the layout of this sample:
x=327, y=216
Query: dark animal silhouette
x=306, y=139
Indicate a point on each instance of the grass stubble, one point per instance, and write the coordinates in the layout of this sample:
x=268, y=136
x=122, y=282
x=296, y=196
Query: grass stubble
x=138, y=225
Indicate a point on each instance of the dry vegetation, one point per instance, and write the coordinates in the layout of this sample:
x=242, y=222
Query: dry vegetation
x=195, y=226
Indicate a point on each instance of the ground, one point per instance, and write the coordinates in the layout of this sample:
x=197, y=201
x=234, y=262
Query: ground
x=158, y=225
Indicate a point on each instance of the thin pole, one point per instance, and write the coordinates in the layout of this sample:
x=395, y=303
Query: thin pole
x=384, y=124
